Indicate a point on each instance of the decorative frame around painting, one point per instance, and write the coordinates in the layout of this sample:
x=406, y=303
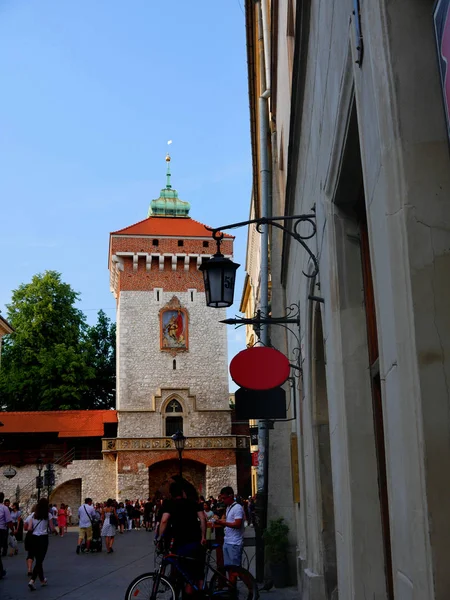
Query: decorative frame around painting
x=174, y=327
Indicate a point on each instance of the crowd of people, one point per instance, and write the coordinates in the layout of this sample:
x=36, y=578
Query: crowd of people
x=182, y=520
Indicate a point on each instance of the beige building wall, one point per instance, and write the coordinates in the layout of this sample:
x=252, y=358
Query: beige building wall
x=347, y=140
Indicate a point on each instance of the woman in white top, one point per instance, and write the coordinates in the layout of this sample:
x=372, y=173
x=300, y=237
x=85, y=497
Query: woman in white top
x=39, y=523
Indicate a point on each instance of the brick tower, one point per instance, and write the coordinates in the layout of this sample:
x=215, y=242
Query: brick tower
x=171, y=354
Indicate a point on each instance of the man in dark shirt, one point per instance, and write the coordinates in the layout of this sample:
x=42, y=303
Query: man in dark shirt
x=188, y=532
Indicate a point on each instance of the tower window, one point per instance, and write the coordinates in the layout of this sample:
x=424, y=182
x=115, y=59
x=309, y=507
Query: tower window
x=173, y=424
x=205, y=244
x=180, y=242
x=173, y=420
x=174, y=406
x=174, y=364
x=155, y=242
x=192, y=296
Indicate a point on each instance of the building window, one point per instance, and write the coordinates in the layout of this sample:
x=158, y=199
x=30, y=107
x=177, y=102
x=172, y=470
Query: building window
x=174, y=407
x=155, y=242
x=174, y=364
x=180, y=243
x=205, y=244
x=173, y=424
x=173, y=417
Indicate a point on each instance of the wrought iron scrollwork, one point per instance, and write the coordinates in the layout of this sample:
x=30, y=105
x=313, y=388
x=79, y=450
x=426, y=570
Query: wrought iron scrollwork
x=297, y=220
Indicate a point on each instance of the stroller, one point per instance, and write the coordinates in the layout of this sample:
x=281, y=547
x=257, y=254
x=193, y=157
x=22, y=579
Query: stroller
x=96, y=542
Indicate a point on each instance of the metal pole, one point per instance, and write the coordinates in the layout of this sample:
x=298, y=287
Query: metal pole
x=180, y=452
x=263, y=430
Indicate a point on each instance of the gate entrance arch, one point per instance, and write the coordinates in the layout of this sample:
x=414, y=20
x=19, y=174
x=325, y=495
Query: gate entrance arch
x=160, y=472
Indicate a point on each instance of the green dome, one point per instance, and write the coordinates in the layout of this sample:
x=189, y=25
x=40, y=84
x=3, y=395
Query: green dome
x=168, y=204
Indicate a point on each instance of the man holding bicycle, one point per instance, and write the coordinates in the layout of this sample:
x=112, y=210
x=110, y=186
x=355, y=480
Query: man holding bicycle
x=187, y=530
x=234, y=528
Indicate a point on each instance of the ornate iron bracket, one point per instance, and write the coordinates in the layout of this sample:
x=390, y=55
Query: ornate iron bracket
x=292, y=317
x=274, y=222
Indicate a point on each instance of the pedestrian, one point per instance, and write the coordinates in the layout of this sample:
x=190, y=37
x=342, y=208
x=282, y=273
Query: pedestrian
x=187, y=531
x=110, y=521
x=137, y=515
x=148, y=513
x=62, y=519
x=16, y=517
x=234, y=528
x=86, y=515
x=122, y=516
x=209, y=516
x=5, y=525
x=69, y=517
x=29, y=550
x=130, y=509
x=54, y=511
x=4, y=540
x=39, y=523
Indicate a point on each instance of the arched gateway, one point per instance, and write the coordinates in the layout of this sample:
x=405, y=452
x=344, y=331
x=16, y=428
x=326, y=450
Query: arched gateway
x=160, y=473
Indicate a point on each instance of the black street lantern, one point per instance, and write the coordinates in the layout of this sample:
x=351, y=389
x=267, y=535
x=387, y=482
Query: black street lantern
x=179, y=440
x=219, y=274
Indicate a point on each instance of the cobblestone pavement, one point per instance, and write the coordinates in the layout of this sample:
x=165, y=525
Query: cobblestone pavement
x=95, y=576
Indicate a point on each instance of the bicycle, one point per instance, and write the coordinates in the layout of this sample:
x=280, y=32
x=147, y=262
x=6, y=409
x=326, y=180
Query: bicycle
x=235, y=584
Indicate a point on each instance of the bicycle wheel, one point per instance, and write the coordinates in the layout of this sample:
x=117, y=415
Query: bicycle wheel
x=141, y=588
x=238, y=584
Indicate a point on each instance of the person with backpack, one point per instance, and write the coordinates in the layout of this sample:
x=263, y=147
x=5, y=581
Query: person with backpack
x=38, y=524
x=86, y=516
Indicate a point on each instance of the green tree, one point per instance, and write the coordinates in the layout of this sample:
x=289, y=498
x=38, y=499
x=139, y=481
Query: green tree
x=50, y=361
x=101, y=342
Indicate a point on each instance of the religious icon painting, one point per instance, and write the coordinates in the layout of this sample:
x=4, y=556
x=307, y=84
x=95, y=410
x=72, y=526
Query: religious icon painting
x=174, y=327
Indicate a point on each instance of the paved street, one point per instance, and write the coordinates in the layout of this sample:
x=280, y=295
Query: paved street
x=83, y=577
x=95, y=576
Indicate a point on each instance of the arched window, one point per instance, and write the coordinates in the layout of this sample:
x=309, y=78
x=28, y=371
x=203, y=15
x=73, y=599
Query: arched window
x=174, y=417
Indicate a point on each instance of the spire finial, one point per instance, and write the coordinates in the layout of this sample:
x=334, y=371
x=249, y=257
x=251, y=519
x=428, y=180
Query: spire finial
x=168, y=184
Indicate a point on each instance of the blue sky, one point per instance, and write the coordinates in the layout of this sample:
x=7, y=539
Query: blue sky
x=91, y=93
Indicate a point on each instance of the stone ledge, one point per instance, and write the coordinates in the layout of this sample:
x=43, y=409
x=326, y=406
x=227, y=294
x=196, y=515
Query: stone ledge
x=164, y=443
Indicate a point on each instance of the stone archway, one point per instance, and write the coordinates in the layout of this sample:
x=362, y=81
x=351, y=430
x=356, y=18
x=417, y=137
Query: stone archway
x=160, y=472
x=68, y=492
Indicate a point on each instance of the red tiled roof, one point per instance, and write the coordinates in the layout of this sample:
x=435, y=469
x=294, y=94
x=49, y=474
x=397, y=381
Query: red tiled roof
x=176, y=226
x=68, y=423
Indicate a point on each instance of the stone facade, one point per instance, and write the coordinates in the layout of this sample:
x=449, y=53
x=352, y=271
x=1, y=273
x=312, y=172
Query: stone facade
x=367, y=145
x=73, y=483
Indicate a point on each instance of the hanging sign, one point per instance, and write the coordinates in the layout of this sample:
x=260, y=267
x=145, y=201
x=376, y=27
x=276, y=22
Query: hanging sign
x=259, y=368
x=260, y=404
x=441, y=16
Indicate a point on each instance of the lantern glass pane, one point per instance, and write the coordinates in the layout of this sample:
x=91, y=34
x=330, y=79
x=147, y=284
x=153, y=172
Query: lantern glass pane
x=229, y=275
x=215, y=286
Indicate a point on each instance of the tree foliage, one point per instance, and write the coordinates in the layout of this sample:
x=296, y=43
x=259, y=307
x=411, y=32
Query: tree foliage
x=54, y=360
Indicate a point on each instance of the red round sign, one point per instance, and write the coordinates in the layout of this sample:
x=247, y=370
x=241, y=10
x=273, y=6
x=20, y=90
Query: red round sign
x=259, y=368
